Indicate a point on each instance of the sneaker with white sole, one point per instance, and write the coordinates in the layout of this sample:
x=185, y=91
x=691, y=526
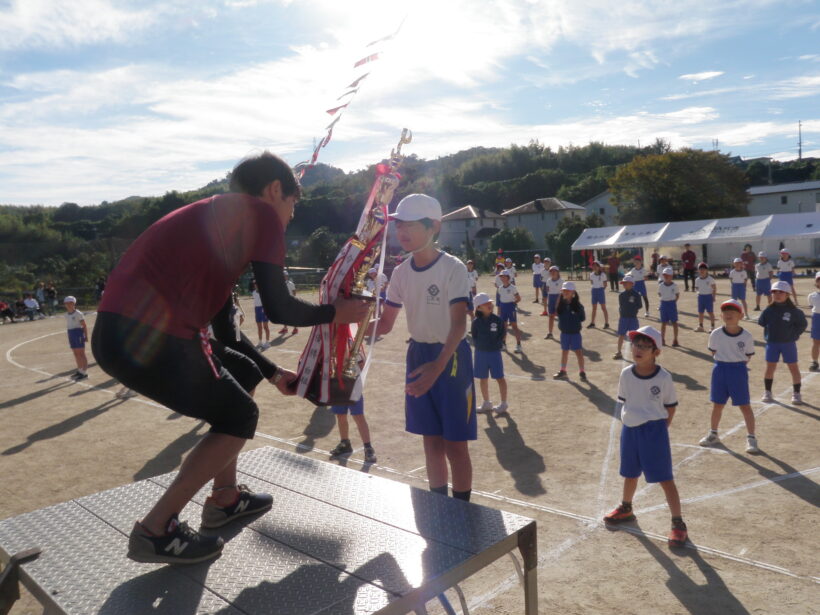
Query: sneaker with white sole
x=501, y=409
x=180, y=545
x=248, y=503
x=709, y=439
x=370, y=455
x=751, y=445
x=517, y=348
x=699, y=328
x=797, y=398
x=767, y=398
x=487, y=406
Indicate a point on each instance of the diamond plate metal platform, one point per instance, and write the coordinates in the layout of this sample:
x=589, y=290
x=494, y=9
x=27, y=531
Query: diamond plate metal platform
x=337, y=542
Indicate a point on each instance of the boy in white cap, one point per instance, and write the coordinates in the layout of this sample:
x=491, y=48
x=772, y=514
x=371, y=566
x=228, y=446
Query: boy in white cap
x=738, y=276
x=814, y=302
x=509, y=266
x=598, y=279
x=732, y=347
x=552, y=291
x=783, y=324
x=439, y=390
x=763, y=279
x=537, y=272
x=488, y=333
x=629, y=303
x=547, y=262
x=77, y=336
x=785, y=271
x=472, y=282
x=669, y=295
x=570, y=316
x=706, y=287
x=638, y=274
x=508, y=299
x=647, y=393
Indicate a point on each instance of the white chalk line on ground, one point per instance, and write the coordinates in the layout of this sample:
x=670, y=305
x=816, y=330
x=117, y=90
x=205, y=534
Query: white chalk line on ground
x=590, y=523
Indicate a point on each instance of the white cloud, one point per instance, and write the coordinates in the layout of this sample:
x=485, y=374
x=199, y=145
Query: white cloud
x=701, y=76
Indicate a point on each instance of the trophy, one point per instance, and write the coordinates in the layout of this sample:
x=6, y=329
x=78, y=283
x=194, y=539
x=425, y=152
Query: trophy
x=331, y=364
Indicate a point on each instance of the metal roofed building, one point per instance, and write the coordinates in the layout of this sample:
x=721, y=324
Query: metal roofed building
x=791, y=198
x=479, y=225
x=541, y=216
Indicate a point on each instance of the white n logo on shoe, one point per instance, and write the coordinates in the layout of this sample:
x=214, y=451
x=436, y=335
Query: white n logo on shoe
x=241, y=506
x=177, y=546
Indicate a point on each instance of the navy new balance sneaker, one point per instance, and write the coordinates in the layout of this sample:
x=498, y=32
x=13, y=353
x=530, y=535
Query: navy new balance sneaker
x=180, y=545
x=248, y=503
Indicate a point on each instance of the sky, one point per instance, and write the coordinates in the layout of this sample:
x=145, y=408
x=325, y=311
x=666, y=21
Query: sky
x=104, y=99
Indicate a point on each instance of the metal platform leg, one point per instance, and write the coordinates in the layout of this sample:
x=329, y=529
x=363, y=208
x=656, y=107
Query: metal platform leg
x=528, y=547
x=10, y=579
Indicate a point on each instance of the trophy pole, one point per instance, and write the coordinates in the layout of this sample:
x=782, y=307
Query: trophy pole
x=351, y=369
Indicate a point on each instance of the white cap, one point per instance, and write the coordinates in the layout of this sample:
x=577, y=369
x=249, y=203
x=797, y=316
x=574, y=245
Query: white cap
x=417, y=207
x=508, y=260
x=627, y=278
x=536, y=256
x=568, y=286
x=480, y=299
x=70, y=299
x=372, y=270
x=761, y=254
x=784, y=251
x=733, y=304
x=650, y=332
x=817, y=276
x=506, y=272
x=547, y=258
x=783, y=286
x=553, y=268
x=737, y=260
x=668, y=271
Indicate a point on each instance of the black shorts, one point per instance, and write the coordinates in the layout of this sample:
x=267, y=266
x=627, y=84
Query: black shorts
x=176, y=373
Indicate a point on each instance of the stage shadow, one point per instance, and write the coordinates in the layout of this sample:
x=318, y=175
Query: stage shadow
x=524, y=364
x=697, y=598
x=165, y=591
x=800, y=485
x=321, y=424
x=600, y=399
x=523, y=463
x=63, y=427
x=170, y=458
x=34, y=394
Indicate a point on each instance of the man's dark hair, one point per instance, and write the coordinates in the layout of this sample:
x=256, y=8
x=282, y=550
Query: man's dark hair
x=253, y=173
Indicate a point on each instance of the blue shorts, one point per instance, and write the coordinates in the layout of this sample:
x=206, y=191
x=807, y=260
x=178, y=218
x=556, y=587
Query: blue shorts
x=669, y=311
x=571, y=341
x=625, y=325
x=488, y=362
x=786, y=276
x=640, y=288
x=815, y=326
x=739, y=290
x=646, y=449
x=76, y=338
x=787, y=349
x=536, y=280
x=730, y=380
x=259, y=313
x=448, y=408
x=706, y=303
x=357, y=408
x=763, y=286
x=507, y=312
x=599, y=296
x=552, y=301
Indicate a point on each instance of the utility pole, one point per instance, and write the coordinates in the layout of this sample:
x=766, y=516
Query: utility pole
x=799, y=140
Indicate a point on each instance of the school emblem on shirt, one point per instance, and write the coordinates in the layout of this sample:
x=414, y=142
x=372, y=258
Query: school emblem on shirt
x=655, y=390
x=741, y=345
x=787, y=316
x=433, y=295
x=493, y=327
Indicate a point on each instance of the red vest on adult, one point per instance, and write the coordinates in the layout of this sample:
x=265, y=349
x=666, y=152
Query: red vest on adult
x=178, y=274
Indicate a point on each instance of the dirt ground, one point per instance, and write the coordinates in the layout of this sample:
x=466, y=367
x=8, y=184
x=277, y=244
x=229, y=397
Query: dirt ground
x=752, y=519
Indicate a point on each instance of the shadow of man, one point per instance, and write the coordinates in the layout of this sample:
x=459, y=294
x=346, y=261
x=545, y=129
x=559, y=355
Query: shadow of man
x=522, y=462
x=321, y=424
x=170, y=458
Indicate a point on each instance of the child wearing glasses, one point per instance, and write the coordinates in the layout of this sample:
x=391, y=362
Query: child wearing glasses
x=649, y=402
x=783, y=324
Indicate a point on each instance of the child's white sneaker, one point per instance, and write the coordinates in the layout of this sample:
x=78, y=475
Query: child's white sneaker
x=501, y=409
x=767, y=397
x=751, y=445
x=709, y=439
x=518, y=348
x=699, y=328
x=797, y=398
x=487, y=406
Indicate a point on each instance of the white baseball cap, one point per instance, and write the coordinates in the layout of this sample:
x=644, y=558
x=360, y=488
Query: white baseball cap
x=70, y=299
x=761, y=254
x=536, y=256
x=784, y=251
x=553, y=268
x=508, y=260
x=737, y=260
x=568, y=286
x=372, y=270
x=668, y=271
x=417, y=207
x=731, y=304
x=782, y=286
x=817, y=276
x=480, y=299
x=627, y=278
x=506, y=272
x=650, y=332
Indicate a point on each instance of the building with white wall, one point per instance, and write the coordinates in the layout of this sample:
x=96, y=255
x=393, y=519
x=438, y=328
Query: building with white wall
x=541, y=216
x=479, y=225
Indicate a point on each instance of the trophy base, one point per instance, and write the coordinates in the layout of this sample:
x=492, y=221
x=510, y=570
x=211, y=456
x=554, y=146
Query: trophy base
x=340, y=391
x=364, y=295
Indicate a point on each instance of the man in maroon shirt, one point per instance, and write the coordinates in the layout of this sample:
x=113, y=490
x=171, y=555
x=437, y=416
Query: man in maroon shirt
x=613, y=262
x=749, y=259
x=151, y=335
x=689, y=257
